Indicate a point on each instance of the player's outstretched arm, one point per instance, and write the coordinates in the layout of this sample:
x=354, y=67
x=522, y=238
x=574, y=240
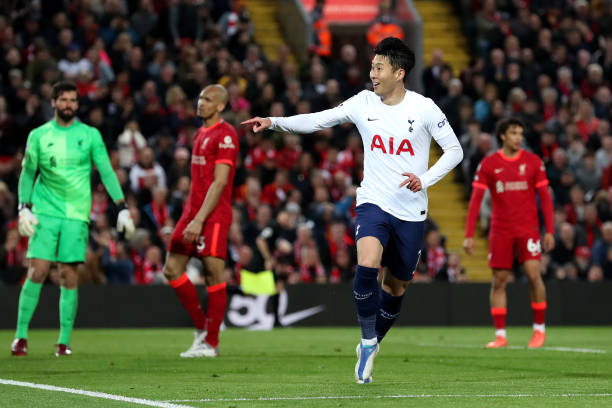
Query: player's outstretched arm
x=258, y=123
x=307, y=122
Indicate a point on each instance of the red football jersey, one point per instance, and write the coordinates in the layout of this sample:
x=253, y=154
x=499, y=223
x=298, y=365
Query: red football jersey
x=213, y=145
x=513, y=183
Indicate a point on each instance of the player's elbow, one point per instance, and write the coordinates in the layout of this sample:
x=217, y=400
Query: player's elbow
x=456, y=153
x=220, y=182
x=459, y=153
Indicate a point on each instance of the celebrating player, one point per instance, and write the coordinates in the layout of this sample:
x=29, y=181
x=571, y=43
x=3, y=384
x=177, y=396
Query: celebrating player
x=396, y=126
x=203, y=227
x=513, y=176
x=54, y=209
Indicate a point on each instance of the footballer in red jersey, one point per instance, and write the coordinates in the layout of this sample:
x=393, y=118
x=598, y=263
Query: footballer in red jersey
x=203, y=227
x=513, y=176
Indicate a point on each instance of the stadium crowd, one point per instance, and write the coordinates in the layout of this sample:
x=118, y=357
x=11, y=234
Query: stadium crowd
x=548, y=63
x=140, y=65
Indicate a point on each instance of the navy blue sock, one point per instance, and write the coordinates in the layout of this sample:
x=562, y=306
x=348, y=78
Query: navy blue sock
x=388, y=311
x=365, y=293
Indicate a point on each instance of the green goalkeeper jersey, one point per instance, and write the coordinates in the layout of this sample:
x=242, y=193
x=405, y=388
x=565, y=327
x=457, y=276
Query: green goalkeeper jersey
x=63, y=158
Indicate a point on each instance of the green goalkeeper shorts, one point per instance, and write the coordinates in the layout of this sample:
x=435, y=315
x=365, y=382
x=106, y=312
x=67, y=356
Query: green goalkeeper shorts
x=58, y=240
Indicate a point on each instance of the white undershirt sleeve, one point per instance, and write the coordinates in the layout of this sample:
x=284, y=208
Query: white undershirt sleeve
x=311, y=122
x=441, y=131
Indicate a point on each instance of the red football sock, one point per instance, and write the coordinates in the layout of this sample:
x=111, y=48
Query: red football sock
x=499, y=317
x=217, y=301
x=539, y=312
x=188, y=296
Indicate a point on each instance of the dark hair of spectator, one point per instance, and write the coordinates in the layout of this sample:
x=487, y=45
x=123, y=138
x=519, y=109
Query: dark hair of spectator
x=505, y=124
x=398, y=53
x=61, y=87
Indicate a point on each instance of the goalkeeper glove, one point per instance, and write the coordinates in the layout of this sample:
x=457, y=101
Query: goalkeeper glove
x=27, y=221
x=125, y=224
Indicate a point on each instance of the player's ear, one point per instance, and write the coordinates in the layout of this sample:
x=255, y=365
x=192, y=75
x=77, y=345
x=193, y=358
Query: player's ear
x=400, y=74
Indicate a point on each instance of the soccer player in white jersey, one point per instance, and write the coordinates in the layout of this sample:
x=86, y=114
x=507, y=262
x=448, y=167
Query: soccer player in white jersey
x=396, y=127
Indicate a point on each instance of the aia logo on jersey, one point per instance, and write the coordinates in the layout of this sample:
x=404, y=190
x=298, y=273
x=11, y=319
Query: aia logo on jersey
x=404, y=146
x=534, y=247
x=227, y=143
x=522, y=169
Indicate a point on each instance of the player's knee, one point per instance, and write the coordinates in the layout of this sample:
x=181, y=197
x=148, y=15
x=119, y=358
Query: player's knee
x=69, y=275
x=170, y=272
x=499, y=282
x=395, y=287
x=369, y=262
x=534, y=277
x=37, y=275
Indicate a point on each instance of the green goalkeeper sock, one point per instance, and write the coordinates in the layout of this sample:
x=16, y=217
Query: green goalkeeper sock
x=67, y=308
x=28, y=299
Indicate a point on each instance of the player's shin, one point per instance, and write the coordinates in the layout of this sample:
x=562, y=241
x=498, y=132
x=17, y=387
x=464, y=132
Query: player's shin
x=67, y=309
x=217, y=302
x=539, y=315
x=366, y=295
x=499, y=320
x=28, y=300
x=188, y=296
x=388, y=311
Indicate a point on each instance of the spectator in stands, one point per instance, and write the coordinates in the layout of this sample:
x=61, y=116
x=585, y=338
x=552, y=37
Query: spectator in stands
x=602, y=251
x=13, y=263
x=185, y=21
x=147, y=174
x=431, y=75
x=116, y=262
x=131, y=141
x=434, y=254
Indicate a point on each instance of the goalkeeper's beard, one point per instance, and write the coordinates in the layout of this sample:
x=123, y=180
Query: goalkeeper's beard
x=66, y=115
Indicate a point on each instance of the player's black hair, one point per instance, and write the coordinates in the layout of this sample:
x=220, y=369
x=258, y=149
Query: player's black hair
x=504, y=124
x=398, y=53
x=61, y=87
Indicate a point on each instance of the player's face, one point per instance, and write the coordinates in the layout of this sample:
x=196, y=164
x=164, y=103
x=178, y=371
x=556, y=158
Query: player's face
x=208, y=104
x=66, y=105
x=513, y=138
x=384, y=79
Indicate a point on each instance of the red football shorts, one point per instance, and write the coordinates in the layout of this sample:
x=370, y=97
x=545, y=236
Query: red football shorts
x=212, y=242
x=502, y=246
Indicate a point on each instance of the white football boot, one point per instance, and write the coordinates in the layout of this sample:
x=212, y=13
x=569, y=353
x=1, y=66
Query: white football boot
x=200, y=348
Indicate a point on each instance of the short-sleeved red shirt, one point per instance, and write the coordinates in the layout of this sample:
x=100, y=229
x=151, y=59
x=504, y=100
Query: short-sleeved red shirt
x=513, y=183
x=214, y=145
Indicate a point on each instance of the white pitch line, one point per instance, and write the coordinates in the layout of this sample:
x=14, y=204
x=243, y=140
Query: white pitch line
x=103, y=395
x=341, y=397
x=473, y=346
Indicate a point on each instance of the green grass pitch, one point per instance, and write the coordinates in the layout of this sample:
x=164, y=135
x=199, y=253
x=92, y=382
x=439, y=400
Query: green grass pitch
x=313, y=367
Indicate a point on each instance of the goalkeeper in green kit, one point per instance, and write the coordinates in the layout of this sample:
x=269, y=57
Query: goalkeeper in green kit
x=54, y=207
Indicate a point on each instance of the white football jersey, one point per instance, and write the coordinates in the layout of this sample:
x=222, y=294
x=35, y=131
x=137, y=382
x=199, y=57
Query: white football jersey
x=396, y=140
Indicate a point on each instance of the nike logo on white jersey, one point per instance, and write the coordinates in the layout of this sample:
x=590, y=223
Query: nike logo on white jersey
x=497, y=171
x=371, y=119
